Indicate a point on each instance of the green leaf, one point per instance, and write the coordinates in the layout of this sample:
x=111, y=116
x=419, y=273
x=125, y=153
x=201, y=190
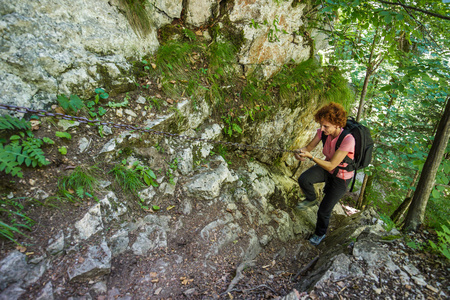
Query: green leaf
x=101, y=111
x=99, y=90
x=156, y=207
x=436, y=194
x=388, y=19
x=65, y=135
x=62, y=150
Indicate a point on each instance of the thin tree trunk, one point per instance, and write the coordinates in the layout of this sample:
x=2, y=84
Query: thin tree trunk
x=416, y=211
x=363, y=93
x=360, y=201
x=403, y=208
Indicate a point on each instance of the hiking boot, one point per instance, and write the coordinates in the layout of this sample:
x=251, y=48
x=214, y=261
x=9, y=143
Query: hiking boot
x=316, y=239
x=304, y=204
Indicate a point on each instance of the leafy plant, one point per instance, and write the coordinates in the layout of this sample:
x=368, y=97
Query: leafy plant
x=119, y=104
x=23, y=148
x=230, y=125
x=443, y=245
x=12, y=218
x=173, y=166
x=81, y=182
x=11, y=123
x=100, y=94
x=127, y=178
x=147, y=174
x=64, y=135
x=62, y=150
x=388, y=224
x=91, y=105
x=72, y=104
x=189, y=34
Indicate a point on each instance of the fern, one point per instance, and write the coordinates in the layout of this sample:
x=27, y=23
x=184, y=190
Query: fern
x=80, y=192
x=35, y=155
x=11, y=123
x=8, y=159
x=16, y=154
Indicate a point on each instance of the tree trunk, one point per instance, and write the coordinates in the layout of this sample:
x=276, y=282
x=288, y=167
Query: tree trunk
x=363, y=93
x=403, y=208
x=361, y=203
x=416, y=212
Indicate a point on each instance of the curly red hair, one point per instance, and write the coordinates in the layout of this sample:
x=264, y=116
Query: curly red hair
x=333, y=113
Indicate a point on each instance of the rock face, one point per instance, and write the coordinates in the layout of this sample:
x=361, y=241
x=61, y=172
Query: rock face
x=58, y=47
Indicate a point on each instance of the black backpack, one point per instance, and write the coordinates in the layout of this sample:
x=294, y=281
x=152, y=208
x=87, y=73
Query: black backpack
x=363, y=147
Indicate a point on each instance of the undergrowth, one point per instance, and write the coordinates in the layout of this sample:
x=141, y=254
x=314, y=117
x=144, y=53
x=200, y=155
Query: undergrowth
x=81, y=183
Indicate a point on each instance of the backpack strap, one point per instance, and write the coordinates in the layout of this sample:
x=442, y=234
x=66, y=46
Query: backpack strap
x=323, y=138
x=346, y=159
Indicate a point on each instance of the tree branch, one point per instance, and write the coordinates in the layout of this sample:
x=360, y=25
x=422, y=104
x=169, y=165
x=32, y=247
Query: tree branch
x=417, y=9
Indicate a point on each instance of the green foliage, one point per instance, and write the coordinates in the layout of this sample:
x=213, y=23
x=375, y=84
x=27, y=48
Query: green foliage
x=189, y=34
x=309, y=79
x=119, y=104
x=72, y=104
x=146, y=173
x=81, y=182
x=173, y=166
x=100, y=94
x=64, y=135
x=23, y=149
x=388, y=224
x=136, y=13
x=12, y=123
x=13, y=220
x=62, y=150
x=231, y=125
x=443, y=245
x=132, y=178
x=99, y=111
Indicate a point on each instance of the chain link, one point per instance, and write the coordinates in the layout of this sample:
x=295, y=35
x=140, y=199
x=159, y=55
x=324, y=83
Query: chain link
x=42, y=113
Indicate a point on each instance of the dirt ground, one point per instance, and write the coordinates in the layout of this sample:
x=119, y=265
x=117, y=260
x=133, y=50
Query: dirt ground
x=274, y=273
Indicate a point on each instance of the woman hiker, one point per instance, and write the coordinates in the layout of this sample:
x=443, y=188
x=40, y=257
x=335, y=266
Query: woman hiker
x=332, y=119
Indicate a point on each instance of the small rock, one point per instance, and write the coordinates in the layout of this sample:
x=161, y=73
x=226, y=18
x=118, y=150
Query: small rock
x=189, y=292
x=158, y=291
x=130, y=113
x=141, y=100
x=432, y=288
x=419, y=280
x=119, y=113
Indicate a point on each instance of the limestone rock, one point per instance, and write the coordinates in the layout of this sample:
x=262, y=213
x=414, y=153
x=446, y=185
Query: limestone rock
x=97, y=262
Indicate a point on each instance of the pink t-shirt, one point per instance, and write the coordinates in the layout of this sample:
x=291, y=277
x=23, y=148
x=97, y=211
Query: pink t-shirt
x=347, y=145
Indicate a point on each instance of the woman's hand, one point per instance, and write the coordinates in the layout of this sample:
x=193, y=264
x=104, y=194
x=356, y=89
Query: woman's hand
x=302, y=154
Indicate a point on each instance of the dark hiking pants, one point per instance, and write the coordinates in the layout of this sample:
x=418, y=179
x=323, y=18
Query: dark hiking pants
x=334, y=189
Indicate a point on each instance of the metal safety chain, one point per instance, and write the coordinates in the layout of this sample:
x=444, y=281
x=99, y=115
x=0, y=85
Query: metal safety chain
x=42, y=113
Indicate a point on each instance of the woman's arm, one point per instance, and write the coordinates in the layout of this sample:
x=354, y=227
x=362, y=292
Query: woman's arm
x=337, y=158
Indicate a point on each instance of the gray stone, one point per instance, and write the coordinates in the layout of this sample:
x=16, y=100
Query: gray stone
x=57, y=244
x=154, y=234
x=207, y=185
x=66, y=124
x=185, y=161
x=13, y=269
x=119, y=242
x=46, y=293
x=109, y=146
x=90, y=223
x=83, y=144
x=96, y=263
